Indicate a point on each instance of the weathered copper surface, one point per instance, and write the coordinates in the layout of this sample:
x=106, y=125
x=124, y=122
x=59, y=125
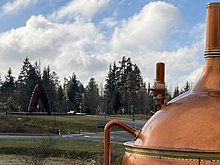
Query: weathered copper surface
x=186, y=131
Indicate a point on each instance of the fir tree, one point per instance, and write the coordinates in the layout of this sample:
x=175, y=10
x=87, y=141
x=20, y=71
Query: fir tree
x=27, y=79
x=176, y=92
x=91, y=97
x=75, y=90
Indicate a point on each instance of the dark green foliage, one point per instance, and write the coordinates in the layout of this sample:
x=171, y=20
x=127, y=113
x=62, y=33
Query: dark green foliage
x=186, y=87
x=27, y=79
x=19, y=92
x=125, y=88
x=7, y=90
x=51, y=84
x=91, y=97
x=176, y=92
x=74, y=90
x=60, y=99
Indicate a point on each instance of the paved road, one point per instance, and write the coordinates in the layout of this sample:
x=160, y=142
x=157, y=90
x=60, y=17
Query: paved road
x=121, y=136
x=115, y=136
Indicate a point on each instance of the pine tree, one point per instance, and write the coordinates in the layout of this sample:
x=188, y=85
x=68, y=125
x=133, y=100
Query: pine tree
x=75, y=90
x=111, y=89
x=123, y=85
x=27, y=79
x=8, y=86
x=51, y=83
x=176, y=92
x=91, y=97
x=7, y=90
x=60, y=99
x=186, y=87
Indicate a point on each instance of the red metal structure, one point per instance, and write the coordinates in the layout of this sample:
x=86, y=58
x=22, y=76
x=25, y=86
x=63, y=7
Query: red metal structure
x=39, y=92
x=186, y=131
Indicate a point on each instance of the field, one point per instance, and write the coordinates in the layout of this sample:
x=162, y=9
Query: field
x=54, y=151
x=60, y=150
x=49, y=124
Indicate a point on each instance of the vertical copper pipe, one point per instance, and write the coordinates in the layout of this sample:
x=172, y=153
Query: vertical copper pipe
x=159, y=86
x=212, y=26
x=107, y=132
x=210, y=76
x=160, y=72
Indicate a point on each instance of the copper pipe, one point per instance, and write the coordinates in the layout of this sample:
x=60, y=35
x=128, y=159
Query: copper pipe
x=160, y=72
x=159, y=85
x=212, y=29
x=107, y=132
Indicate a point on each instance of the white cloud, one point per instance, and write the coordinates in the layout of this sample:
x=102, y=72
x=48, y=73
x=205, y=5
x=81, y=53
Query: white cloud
x=62, y=46
x=143, y=36
x=79, y=8
x=109, y=22
x=14, y=6
x=146, y=30
x=81, y=48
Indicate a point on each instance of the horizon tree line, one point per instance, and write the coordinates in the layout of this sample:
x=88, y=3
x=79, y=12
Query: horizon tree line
x=124, y=91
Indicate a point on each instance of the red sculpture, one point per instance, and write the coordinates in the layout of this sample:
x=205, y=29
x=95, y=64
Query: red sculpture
x=39, y=92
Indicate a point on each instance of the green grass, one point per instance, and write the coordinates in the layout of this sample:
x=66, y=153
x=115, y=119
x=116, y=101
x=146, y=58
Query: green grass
x=137, y=116
x=61, y=148
x=49, y=124
x=77, y=145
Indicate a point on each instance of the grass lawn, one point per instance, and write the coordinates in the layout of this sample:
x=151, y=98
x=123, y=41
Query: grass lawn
x=82, y=150
x=68, y=149
x=49, y=124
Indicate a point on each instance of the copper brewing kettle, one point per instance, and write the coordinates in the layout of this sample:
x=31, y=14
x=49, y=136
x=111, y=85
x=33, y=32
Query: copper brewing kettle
x=185, y=131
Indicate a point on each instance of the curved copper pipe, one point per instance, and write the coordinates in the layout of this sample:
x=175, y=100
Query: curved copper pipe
x=107, y=132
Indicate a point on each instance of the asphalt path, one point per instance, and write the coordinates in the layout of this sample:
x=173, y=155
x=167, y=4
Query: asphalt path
x=119, y=136
x=115, y=136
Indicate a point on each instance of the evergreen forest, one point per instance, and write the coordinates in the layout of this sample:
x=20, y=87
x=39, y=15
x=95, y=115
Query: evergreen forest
x=124, y=91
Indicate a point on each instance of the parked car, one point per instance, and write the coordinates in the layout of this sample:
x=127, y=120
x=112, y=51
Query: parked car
x=71, y=112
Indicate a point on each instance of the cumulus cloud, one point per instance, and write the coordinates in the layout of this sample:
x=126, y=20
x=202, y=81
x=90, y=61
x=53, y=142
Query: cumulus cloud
x=80, y=47
x=143, y=37
x=14, y=6
x=62, y=46
x=79, y=8
x=146, y=30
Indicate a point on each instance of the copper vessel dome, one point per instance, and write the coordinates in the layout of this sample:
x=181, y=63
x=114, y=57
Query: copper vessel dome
x=186, y=131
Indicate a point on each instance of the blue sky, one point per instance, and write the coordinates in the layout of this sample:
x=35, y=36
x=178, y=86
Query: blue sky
x=85, y=36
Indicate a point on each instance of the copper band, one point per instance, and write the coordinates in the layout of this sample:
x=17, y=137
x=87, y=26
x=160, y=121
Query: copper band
x=173, y=154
